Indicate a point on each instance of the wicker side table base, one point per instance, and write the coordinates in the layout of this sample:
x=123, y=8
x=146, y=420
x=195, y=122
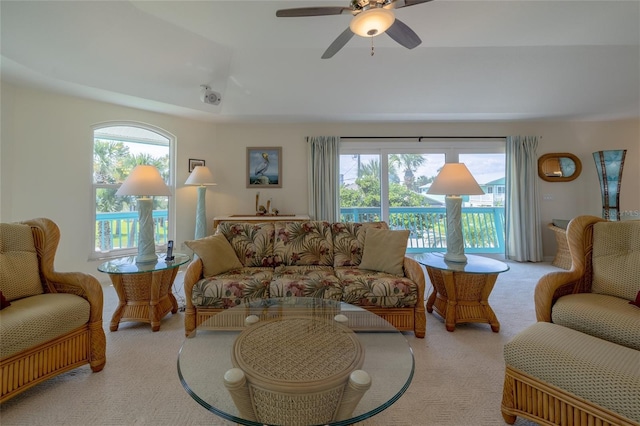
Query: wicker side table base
x=145, y=297
x=459, y=297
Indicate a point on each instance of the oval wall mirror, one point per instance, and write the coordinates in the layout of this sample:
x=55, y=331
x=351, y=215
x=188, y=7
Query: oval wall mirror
x=559, y=167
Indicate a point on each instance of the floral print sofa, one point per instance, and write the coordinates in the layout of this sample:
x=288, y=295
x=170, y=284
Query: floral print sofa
x=304, y=259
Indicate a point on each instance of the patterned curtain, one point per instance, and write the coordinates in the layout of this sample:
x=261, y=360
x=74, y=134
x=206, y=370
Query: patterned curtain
x=523, y=228
x=324, y=178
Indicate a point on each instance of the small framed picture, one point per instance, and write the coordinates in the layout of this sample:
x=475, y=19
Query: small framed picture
x=264, y=167
x=194, y=162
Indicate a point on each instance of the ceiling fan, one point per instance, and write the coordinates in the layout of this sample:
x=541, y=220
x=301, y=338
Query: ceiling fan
x=370, y=18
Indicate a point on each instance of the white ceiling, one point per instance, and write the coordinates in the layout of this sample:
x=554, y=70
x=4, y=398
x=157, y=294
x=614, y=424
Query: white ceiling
x=479, y=60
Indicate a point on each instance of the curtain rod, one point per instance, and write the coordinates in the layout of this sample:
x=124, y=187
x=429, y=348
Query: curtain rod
x=420, y=138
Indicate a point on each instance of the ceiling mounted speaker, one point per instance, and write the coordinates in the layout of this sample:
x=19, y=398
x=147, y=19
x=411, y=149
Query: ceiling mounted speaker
x=208, y=96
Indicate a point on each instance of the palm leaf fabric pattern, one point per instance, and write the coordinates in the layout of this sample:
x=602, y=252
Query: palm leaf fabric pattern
x=302, y=259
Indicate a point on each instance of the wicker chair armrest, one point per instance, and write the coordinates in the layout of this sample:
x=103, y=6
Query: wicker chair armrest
x=191, y=276
x=84, y=285
x=413, y=270
x=551, y=287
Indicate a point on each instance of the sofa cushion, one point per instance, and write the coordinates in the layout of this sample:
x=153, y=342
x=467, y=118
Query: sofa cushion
x=384, y=250
x=616, y=259
x=252, y=242
x=33, y=320
x=233, y=287
x=601, y=372
x=303, y=243
x=348, y=241
x=216, y=254
x=305, y=281
x=607, y=317
x=19, y=268
x=371, y=288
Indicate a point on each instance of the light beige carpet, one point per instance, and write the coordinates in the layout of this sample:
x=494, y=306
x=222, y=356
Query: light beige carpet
x=458, y=378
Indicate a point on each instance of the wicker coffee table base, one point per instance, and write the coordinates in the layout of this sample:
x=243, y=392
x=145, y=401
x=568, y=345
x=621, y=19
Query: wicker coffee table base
x=144, y=297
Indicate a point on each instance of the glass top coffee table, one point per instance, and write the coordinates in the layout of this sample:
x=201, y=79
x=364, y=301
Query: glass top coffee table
x=249, y=362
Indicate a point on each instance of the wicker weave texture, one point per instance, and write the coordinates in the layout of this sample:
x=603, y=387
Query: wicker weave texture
x=66, y=351
x=533, y=399
x=563, y=256
x=595, y=370
x=297, y=369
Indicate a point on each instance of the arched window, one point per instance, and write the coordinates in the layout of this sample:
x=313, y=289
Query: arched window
x=117, y=148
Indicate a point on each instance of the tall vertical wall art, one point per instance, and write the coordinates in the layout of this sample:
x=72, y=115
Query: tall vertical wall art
x=609, y=165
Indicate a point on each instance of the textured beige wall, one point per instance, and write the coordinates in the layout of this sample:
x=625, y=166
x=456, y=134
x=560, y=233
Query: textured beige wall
x=46, y=152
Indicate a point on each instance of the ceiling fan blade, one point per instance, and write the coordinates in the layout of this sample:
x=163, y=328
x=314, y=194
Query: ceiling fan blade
x=312, y=11
x=404, y=35
x=338, y=43
x=405, y=3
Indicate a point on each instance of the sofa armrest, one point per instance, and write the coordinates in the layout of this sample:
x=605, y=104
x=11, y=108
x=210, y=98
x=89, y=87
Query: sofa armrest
x=414, y=272
x=192, y=275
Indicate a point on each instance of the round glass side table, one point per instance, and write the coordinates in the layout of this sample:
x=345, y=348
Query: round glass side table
x=144, y=289
x=461, y=290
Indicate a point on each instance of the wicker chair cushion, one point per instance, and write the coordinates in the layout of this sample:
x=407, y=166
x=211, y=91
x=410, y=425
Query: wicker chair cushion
x=252, y=242
x=371, y=288
x=607, y=317
x=599, y=371
x=616, y=259
x=303, y=243
x=305, y=281
x=34, y=320
x=19, y=269
x=232, y=288
x=348, y=241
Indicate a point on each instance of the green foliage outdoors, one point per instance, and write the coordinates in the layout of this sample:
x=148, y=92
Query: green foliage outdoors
x=403, y=190
x=112, y=163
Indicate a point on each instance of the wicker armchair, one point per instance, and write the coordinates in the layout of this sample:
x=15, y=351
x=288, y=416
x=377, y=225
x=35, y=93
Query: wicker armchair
x=54, y=321
x=594, y=295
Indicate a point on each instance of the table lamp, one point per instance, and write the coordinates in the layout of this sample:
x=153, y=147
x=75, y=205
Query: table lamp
x=202, y=176
x=145, y=182
x=453, y=181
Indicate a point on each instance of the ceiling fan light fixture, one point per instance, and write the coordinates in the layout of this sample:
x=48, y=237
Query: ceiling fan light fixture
x=372, y=22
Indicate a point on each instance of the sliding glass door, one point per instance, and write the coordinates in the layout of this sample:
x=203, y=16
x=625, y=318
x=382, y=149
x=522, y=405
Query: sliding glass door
x=390, y=180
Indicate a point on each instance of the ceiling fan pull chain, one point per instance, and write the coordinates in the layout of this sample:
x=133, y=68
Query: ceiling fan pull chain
x=372, y=52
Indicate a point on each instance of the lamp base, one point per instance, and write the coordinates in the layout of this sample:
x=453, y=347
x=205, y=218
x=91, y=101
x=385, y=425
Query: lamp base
x=201, y=216
x=455, y=257
x=455, y=241
x=146, y=239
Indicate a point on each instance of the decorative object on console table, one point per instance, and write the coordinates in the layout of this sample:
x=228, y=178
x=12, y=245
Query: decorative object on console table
x=202, y=177
x=259, y=219
x=264, y=167
x=145, y=181
x=455, y=180
x=609, y=165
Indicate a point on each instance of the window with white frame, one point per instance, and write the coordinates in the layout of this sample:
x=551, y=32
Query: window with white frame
x=117, y=149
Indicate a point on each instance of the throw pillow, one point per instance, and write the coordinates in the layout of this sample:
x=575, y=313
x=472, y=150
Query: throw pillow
x=637, y=301
x=3, y=302
x=216, y=254
x=384, y=250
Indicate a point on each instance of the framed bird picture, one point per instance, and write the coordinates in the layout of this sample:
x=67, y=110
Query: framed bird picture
x=264, y=167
